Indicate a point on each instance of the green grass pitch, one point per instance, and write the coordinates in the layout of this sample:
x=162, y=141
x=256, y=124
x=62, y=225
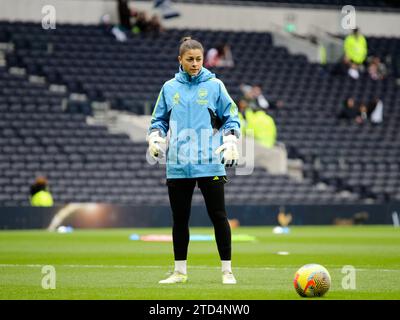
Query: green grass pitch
x=105, y=264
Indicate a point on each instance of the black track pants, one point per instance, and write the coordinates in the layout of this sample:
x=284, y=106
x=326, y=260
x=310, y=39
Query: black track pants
x=180, y=193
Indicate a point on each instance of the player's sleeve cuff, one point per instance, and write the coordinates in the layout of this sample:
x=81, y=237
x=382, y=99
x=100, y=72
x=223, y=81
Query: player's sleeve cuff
x=234, y=132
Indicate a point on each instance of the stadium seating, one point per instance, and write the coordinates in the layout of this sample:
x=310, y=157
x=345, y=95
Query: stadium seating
x=85, y=163
x=343, y=162
x=365, y=4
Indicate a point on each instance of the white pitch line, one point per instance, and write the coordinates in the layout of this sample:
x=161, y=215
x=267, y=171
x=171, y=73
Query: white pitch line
x=101, y=266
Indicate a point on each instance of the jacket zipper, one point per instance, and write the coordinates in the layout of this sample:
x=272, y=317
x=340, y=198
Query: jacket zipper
x=189, y=127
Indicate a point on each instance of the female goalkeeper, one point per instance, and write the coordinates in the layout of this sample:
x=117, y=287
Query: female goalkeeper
x=204, y=128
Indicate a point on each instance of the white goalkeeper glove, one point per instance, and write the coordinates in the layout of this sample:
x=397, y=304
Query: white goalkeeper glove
x=230, y=151
x=157, y=145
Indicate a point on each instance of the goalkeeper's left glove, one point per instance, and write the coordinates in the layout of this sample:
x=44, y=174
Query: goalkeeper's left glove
x=230, y=151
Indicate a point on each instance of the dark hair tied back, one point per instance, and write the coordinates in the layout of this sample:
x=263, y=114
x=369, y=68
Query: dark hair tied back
x=187, y=43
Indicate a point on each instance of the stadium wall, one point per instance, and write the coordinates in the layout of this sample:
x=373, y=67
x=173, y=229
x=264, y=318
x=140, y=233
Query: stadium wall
x=159, y=216
x=201, y=16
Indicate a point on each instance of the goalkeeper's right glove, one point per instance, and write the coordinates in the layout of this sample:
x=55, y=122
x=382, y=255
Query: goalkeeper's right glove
x=156, y=145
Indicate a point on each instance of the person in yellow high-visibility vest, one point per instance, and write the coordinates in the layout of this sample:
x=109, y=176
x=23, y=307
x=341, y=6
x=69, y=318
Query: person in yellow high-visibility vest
x=355, y=47
x=40, y=194
x=258, y=124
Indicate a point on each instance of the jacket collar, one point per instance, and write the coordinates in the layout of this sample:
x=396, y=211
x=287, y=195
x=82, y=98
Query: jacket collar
x=203, y=75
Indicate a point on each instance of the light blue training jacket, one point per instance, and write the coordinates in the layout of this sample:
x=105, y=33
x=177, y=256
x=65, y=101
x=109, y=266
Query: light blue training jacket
x=197, y=110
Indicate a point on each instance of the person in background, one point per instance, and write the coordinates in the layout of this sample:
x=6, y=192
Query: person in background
x=349, y=111
x=221, y=56
x=376, y=69
x=141, y=24
x=40, y=194
x=362, y=114
x=263, y=102
x=355, y=48
x=154, y=25
x=257, y=100
x=376, y=111
x=116, y=31
x=353, y=71
x=355, y=53
x=257, y=123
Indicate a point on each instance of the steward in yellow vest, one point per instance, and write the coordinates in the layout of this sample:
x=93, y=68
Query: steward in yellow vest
x=258, y=124
x=40, y=195
x=355, y=47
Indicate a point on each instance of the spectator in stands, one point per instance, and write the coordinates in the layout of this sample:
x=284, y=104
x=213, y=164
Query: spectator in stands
x=248, y=95
x=256, y=99
x=154, y=25
x=349, y=111
x=144, y=25
x=257, y=123
x=116, y=31
x=141, y=24
x=362, y=116
x=189, y=161
x=353, y=71
x=40, y=194
x=263, y=102
x=376, y=69
x=221, y=56
x=376, y=111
